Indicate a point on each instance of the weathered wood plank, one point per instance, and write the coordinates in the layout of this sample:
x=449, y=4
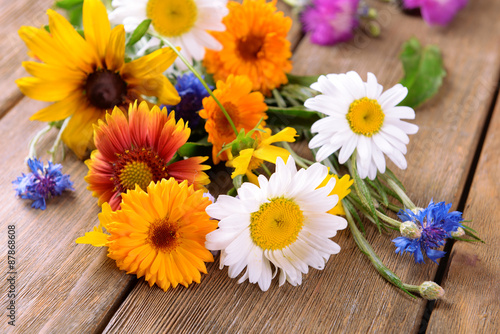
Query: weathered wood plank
x=61, y=287
x=14, y=14
x=348, y=296
x=473, y=278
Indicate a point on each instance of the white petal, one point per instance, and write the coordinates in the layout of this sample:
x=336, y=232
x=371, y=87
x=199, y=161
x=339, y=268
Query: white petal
x=400, y=112
x=392, y=96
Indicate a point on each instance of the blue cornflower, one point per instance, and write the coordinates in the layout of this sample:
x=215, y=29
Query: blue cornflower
x=42, y=183
x=192, y=93
x=434, y=225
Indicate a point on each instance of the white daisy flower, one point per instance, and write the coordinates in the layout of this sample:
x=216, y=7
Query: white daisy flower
x=284, y=222
x=184, y=23
x=360, y=117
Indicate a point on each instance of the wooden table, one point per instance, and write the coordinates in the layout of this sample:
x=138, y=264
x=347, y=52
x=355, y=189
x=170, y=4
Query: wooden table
x=63, y=287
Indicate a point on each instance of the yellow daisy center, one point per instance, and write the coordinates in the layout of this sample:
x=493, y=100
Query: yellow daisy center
x=134, y=173
x=172, y=18
x=277, y=224
x=163, y=235
x=365, y=116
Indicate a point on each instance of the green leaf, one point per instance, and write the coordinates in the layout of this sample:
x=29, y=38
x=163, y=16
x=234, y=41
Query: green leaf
x=363, y=191
x=69, y=4
x=195, y=149
x=295, y=112
x=424, y=72
x=303, y=80
x=139, y=32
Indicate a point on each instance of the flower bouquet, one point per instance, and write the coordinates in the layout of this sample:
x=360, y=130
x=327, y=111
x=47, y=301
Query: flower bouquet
x=157, y=95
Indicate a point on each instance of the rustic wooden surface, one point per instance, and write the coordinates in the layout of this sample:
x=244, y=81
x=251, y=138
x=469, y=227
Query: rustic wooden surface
x=68, y=288
x=473, y=278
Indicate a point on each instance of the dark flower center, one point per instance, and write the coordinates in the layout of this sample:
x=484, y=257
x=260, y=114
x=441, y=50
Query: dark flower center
x=163, y=235
x=222, y=124
x=249, y=47
x=105, y=89
x=138, y=166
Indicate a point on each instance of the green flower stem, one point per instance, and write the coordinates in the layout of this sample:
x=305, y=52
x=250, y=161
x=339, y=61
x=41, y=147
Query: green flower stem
x=394, y=208
x=366, y=249
x=412, y=288
x=264, y=167
x=407, y=202
x=191, y=68
x=279, y=99
x=304, y=163
x=57, y=142
x=34, y=141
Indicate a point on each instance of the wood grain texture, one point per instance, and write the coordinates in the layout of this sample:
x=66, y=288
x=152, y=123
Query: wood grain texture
x=472, y=281
x=14, y=14
x=62, y=287
x=348, y=295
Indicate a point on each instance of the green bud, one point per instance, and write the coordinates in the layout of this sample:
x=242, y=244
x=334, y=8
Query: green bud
x=374, y=29
x=458, y=233
x=410, y=230
x=430, y=290
x=372, y=13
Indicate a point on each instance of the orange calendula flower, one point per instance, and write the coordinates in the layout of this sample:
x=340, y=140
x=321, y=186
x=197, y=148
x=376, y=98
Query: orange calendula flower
x=137, y=151
x=87, y=76
x=246, y=109
x=159, y=234
x=254, y=44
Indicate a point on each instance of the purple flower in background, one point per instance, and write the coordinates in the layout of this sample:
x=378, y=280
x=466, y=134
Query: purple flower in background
x=436, y=12
x=434, y=225
x=42, y=183
x=330, y=21
x=192, y=93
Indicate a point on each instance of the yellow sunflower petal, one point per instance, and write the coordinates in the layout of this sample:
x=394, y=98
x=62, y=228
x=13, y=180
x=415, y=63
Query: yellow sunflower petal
x=60, y=110
x=48, y=91
x=96, y=26
x=79, y=131
x=241, y=162
x=287, y=134
x=75, y=46
x=51, y=72
x=153, y=63
x=115, y=51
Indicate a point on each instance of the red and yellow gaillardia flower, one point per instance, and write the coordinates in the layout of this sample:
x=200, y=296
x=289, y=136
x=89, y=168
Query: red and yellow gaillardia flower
x=254, y=44
x=87, y=76
x=159, y=234
x=245, y=108
x=137, y=151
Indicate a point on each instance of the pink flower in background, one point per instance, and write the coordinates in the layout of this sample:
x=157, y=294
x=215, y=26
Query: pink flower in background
x=436, y=12
x=330, y=21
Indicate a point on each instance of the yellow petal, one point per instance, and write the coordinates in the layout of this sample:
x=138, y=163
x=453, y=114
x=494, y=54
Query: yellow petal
x=60, y=110
x=43, y=46
x=287, y=134
x=51, y=72
x=151, y=64
x=342, y=186
x=49, y=91
x=79, y=132
x=76, y=48
x=338, y=210
x=94, y=238
x=105, y=215
x=96, y=26
x=252, y=177
x=115, y=51
x=241, y=162
x=271, y=153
